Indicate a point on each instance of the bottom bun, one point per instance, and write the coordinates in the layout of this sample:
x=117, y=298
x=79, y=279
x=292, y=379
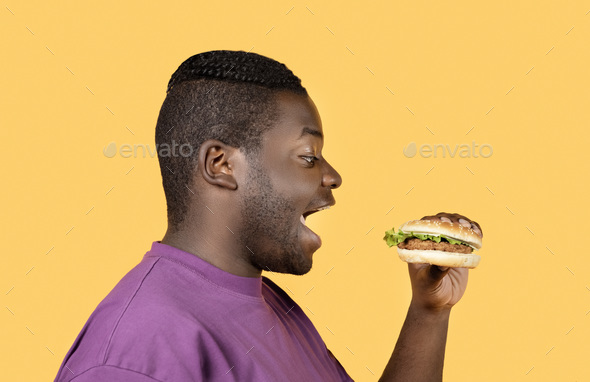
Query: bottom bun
x=441, y=258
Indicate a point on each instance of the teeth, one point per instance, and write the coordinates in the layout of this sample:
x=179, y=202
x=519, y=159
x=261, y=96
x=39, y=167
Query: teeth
x=302, y=218
x=321, y=208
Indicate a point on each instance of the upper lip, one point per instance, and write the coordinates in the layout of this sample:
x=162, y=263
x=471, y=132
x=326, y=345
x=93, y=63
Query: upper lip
x=318, y=208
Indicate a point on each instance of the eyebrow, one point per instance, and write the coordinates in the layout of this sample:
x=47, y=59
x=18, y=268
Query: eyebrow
x=310, y=131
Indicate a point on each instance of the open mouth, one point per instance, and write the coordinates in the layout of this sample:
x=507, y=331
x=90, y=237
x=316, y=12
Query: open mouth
x=310, y=235
x=307, y=213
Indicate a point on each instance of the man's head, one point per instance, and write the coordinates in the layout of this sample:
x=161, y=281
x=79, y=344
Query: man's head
x=257, y=139
x=225, y=95
x=288, y=181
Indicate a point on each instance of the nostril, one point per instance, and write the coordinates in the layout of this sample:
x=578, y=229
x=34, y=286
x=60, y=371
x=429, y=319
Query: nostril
x=332, y=182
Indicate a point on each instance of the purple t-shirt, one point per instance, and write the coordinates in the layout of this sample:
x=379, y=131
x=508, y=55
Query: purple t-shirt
x=175, y=317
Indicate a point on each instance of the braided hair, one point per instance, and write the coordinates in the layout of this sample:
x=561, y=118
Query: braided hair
x=225, y=95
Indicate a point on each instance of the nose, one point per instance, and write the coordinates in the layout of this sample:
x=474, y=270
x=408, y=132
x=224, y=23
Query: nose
x=331, y=177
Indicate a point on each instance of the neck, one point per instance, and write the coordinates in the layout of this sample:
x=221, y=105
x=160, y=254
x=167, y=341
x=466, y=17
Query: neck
x=217, y=246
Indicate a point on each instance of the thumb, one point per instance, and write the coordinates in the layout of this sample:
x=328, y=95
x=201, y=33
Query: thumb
x=437, y=273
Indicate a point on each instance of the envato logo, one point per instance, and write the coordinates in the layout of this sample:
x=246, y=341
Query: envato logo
x=436, y=150
x=143, y=150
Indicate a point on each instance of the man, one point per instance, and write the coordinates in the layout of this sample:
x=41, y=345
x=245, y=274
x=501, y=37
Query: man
x=196, y=308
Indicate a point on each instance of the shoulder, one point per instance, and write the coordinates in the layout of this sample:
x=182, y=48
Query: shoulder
x=145, y=323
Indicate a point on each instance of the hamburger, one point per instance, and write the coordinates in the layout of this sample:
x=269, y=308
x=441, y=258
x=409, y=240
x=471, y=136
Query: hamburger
x=438, y=240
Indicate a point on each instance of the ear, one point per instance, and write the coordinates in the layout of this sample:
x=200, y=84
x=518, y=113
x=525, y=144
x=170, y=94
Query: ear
x=217, y=163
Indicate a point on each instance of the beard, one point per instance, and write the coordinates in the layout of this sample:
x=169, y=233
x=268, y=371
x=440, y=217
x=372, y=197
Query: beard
x=271, y=241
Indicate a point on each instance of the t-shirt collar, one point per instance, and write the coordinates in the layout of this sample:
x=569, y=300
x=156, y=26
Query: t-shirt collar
x=249, y=286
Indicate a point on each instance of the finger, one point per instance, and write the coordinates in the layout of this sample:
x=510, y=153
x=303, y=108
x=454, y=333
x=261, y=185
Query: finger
x=456, y=218
x=478, y=230
x=441, y=214
x=429, y=217
x=445, y=217
x=437, y=273
x=464, y=223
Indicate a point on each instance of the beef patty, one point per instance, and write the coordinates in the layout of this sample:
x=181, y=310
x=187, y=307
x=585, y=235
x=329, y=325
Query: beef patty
x=430, y=245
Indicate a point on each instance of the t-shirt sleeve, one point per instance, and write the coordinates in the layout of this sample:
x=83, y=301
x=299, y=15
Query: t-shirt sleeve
x=106, y=373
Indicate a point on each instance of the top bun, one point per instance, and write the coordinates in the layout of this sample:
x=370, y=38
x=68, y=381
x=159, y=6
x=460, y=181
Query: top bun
x=437, y=227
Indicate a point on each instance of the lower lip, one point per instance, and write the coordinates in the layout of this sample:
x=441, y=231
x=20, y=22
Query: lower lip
x=314, y=237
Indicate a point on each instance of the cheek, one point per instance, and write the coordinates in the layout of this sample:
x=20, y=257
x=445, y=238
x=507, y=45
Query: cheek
x=292, y=180
x=298, y=184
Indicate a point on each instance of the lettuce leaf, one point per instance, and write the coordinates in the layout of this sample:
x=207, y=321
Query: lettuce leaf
x=393, y=238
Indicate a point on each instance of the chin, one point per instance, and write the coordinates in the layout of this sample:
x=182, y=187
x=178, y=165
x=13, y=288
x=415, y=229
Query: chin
x=300, y=271
x=304, y=264
x=291, y=267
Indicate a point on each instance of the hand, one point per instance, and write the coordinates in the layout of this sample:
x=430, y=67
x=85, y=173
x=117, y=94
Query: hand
x=456, y=218
x=437, y=288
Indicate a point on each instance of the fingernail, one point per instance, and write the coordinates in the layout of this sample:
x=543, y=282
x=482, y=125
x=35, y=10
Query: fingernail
x=464, y=223
x=476, y=229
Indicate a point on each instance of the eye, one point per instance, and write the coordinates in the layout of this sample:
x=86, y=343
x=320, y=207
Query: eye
x=310, y=160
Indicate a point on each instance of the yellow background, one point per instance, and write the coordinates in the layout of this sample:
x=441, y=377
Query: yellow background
x=513, y=75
